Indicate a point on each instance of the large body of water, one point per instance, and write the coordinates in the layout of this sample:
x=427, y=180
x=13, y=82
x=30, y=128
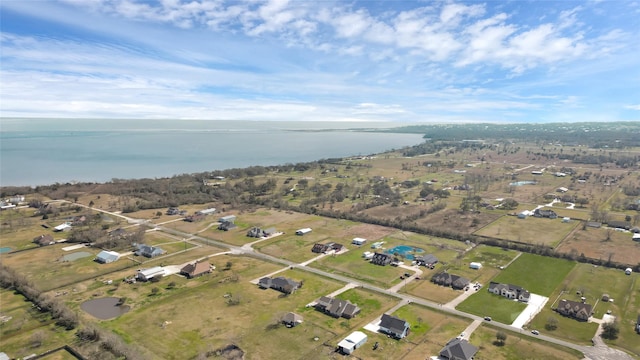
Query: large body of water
x=46, y=151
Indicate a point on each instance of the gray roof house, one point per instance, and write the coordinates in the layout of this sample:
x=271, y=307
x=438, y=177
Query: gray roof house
x=446, y=279
x=149, y=251
x=381, y=259
x=458, y=349
x=337, y=308
x=279, y=283
x=509, y=291
x=394, y=326
x=426, y=260
x=291, y=319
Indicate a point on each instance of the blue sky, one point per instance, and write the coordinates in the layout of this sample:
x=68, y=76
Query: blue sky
x=408, y=61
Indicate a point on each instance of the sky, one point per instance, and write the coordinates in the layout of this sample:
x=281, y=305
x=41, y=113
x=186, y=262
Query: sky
x=406, y=61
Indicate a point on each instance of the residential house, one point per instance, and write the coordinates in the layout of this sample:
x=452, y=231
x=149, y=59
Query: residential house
x=619, y=224
x=106, y=257
x=206, y=211
x=355, y=340
x=446, y=279
x=196, y=269
x=475, y=265
x=381, y=259
x=226, y=226
x=458, y=349
x=149, y=251
x=337, y=308
x=575, y=309
x=509, y=291
x=279, y=283
x=173, y=211
x=323, y=248
x=79, y=220
x=148, y=274
x=291, y=319
x=545, y=213
x=426, y=260
x=44, y=240
x=393, y=326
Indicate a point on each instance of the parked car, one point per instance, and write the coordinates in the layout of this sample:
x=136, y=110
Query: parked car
x=488, y=318
x=535, y=332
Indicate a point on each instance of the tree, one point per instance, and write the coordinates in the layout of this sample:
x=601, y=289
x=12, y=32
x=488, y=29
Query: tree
x=501, y=337
x=610, y=330
x=552, y=323
x=155, y=291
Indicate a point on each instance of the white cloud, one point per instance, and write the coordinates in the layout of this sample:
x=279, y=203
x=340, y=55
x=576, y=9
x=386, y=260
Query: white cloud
x=633, y=107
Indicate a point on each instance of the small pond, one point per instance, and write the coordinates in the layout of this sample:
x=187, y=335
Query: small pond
x=5, y=249
x=104, y=308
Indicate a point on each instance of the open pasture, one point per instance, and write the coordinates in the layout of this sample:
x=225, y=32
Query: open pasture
x=532, y=230
x=603, y=243
x=483, y=303
x=538, y=274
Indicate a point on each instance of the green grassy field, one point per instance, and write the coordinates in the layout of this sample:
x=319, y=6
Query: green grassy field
x=538, y=274
x=483, y=303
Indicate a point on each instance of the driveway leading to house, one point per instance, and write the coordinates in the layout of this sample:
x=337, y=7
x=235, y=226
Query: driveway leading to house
x=534, y=306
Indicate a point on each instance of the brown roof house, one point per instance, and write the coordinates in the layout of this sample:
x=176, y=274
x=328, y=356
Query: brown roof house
x=446, y=279
x=291, y=319
x=575, y=309
x=458, y=349
x=279, y=283
x=44, y=240
x=337, y=308
x=196, y=269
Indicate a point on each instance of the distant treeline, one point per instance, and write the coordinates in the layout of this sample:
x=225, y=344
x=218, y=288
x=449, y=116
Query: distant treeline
x=595, y=135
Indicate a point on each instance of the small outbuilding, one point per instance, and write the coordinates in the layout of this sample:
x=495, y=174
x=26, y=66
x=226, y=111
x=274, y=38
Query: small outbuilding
x=106, y=257
x=355, y=340
x=291, y=320
x=303, y=231
x=148, y=274
x=228, y=218
x=358, y=241
x=475, y=265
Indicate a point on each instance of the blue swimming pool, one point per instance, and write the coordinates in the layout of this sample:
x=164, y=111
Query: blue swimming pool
x=406, y=251
x=5, y=249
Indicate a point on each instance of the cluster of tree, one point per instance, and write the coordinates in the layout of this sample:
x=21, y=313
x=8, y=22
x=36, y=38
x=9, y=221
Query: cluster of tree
x=106, y=341
x=10, y=279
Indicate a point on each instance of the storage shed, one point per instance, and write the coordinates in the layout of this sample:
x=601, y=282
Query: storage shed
x=358, y=241
x=106, y=257
x=147, y=274
x=228, y=218
x=352, y=342
x=303, y=231
x=475, y=265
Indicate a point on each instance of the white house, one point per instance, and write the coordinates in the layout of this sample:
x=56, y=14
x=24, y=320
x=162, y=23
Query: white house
x=367, y=255
x=303, y=231
x=358, y=241
x=147, y=274
x=352, y=342
x=475, y=265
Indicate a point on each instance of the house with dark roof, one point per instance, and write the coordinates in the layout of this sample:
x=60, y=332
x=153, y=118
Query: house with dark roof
x=149, y=251
x=446, y=279
x=196, y=269
x=195, y=217
x=337, y=308
x=393, y=326
x=291, y=319
x=575, y=309
x=619, y=224
x=509, y=291
x=279, y=283
x=226, y=226
x=323, y=248
x=545, y=213
x=44, y=240
x=426, y=260
x=458, y=349
x=381, y=259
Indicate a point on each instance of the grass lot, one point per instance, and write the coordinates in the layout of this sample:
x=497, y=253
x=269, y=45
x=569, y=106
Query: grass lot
x=588, y=280
x=17, y=334
x=491, y=259
x=218, y=324
x=517, y=347
x=538, y=274
x=484, y=303
x=593, y=243
x=529, y=230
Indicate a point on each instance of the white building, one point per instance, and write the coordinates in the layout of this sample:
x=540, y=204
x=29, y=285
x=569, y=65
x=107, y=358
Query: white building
x=358, y=241
x=303, y=231
x=206, y=211
x=367, y=255
x=106, y=257
x=352, y=342
x=147, y=274
x=628, y=271
x=475, y=265
x=63, y=227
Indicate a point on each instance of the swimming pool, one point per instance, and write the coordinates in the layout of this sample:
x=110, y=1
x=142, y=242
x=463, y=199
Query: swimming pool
x=520, y=183
x=404, y=250
x=5, y=250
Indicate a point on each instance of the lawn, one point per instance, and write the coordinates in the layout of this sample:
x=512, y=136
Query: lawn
x=483, y=303
x=538, y=274
x=517, y=347
x=532, y=230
